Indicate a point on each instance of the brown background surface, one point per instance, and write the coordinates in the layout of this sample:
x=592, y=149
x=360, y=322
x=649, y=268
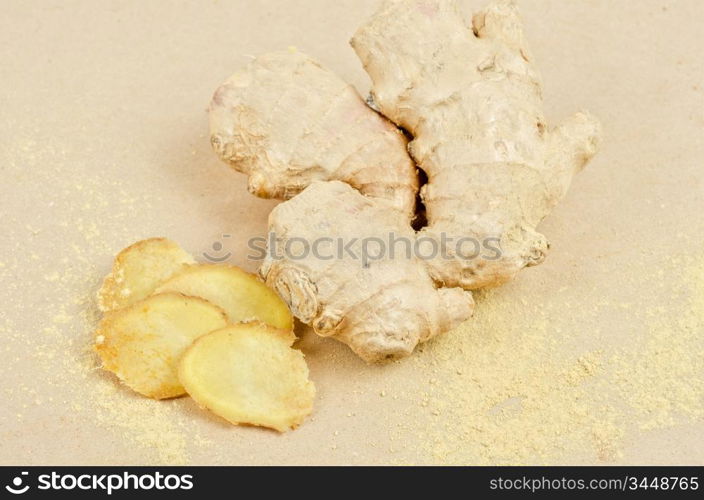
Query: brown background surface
x=103, y=141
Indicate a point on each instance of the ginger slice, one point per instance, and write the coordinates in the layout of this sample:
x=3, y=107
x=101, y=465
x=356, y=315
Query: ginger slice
x=142, y=343
x=249, y=374
x=138, y=270
x=240, y=294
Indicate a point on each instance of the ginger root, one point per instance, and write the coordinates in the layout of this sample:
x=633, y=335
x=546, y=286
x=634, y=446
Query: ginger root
x=286, y=121
x=472, y=100
x=381, y=308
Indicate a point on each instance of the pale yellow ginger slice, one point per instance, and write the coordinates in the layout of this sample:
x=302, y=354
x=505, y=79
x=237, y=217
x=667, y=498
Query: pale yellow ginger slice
x=138, y=270
x=286, y=121
x=471, y=98
x=240, y=294
x=249, y=374
x=142, y=343
x=376, y=296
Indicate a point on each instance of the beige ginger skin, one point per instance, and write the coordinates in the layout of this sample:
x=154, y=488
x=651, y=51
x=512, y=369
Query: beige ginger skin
x=472, y=100
x=286, y=121
x=383, y=307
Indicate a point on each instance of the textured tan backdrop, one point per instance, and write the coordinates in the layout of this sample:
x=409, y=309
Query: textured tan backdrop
x=103, y=141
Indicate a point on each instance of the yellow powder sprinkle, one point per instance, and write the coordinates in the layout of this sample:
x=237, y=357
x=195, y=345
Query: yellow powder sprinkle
x=509, y=387
x=57, y=348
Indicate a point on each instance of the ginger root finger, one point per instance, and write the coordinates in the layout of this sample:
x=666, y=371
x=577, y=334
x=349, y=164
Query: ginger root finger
x=286, y=121
x=570, y=146
x=383, y=305
x=473, y=104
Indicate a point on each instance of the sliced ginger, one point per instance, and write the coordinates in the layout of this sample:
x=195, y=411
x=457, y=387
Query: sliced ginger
x=138, y=270
x=242, y=295
x=142, y=343
x=249, y=374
